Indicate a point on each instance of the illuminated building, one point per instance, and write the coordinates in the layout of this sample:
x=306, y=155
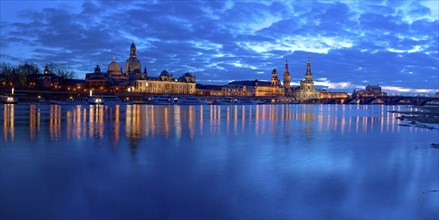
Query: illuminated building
x=115, y=71
x=166, y=84
x=209, y=90
x=97, y=80
x=132, y=65
x=115, y=79
x=287, y=79
x=255, y=87
x=324, y=94
x=47, y=80
x=370, y=91
x=306, y=90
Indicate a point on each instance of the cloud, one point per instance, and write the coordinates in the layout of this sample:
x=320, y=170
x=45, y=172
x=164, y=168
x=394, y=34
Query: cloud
x=391, y=43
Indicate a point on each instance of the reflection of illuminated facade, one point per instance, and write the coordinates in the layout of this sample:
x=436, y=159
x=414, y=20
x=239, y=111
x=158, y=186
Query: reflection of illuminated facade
x=306, y=90
x=55, y=122
x=8, y=122
x=34, y=121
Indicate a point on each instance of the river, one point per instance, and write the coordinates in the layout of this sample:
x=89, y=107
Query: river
x=215, y=162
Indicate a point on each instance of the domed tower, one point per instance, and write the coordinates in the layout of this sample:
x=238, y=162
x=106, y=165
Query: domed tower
x=165, y=76
x=274, y=78
x=286, y=75
x=132, y=65
x=114, y=70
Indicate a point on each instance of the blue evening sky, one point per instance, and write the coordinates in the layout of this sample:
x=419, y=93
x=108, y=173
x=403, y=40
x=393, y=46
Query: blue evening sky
x=350, y=43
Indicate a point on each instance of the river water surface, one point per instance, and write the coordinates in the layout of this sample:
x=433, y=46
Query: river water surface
x=215, y=162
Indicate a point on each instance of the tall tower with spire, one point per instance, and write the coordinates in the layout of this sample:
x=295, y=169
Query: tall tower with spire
x=308, y=74
x=286, y=75
x=307, y=90
x=274, y=78
x=132, y=65
x=133, y=50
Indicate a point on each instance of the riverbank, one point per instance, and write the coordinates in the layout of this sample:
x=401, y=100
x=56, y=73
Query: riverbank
x=424, y=117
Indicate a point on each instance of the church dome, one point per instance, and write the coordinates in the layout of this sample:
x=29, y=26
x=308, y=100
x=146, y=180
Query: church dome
x=114, y=68
x=164, y=73
x=133, y=65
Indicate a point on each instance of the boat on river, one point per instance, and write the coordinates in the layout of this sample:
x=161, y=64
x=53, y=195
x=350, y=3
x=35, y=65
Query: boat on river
x=95, y=101
x=190, y=100
x=162, y=100
x=8, y=99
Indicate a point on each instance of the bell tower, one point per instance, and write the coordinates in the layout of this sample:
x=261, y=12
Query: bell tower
x=274, y=78
x=307, y=84
x=286, y=75
x=133, y=50
x=308, y=74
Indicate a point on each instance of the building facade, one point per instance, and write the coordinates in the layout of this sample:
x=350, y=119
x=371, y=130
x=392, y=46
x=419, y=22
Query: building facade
x=133, y=79
x=306, y=90
x=369, y=91
x=255, y=87
x=166, y=84
x=324, y=94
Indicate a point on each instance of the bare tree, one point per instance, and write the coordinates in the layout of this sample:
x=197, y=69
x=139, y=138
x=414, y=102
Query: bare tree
x=61, y=70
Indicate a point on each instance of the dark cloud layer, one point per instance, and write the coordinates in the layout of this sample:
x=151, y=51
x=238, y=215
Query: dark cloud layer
x=352, y=44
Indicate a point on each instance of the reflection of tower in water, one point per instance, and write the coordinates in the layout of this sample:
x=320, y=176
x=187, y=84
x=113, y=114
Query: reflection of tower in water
x=133, y=123
x=8, y=122
x=55, y=122
x=191, y=122
x=215, y=117
x=116, y=128
x=201, y=119
x=34, y=121
x=96, y=121
x=177, y=122
x=166, y=122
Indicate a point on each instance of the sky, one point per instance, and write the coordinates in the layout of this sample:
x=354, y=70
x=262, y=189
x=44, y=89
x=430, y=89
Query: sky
x=351, y=44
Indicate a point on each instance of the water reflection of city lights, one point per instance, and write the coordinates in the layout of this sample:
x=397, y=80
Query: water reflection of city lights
x=177, y=122
x=8, y=122
x=189, y=121
x=55, y=122
x=32, y=121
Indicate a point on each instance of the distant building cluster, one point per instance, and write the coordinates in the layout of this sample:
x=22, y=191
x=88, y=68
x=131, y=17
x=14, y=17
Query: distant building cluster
x=134, y=80
x=305, y=91
x=370, y=91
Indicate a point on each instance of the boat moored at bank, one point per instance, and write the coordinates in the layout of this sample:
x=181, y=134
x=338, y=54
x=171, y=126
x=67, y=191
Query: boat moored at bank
x=190, y=100
x=8, y=99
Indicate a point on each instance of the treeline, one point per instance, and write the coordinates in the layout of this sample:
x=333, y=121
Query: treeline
x=19, y=75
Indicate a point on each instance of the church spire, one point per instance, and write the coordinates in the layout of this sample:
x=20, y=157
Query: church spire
x=286, y=75
x=308, y=74
x=133, y=50
x=308, y=67
x=274, y=78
